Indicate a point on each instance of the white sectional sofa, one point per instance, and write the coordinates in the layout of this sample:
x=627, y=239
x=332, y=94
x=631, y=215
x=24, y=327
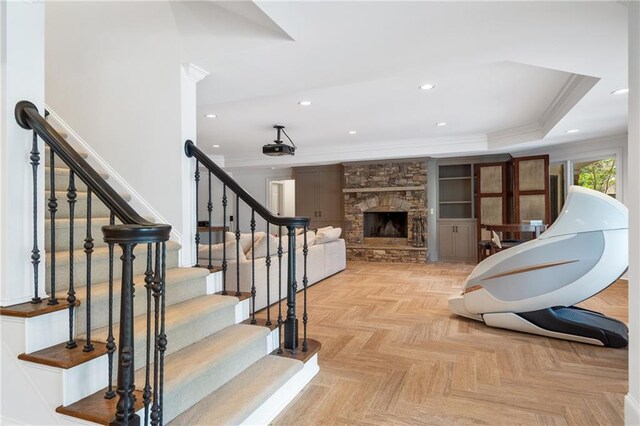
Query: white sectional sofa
x=323, y=260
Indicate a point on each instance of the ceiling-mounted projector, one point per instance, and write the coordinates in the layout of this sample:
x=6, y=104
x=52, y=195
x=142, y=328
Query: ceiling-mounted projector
x=278, y=147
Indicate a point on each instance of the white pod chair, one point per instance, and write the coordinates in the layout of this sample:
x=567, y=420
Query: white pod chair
x=532, y=287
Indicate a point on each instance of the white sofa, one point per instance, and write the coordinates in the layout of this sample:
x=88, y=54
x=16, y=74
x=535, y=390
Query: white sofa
x=323, y=260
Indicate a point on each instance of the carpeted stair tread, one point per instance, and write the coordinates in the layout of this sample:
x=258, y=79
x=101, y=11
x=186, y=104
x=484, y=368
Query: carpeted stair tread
x=100, y=263
x=61, y=176
x=98, y=209
x=199, y=369
x=79, y=232
x=185, y=323
x=236, y=400
x=182, y=284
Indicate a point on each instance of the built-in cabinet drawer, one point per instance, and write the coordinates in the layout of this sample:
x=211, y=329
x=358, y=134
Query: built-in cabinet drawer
x=457, y=240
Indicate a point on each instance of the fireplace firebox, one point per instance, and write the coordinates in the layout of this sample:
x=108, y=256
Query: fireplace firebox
x=385, y=225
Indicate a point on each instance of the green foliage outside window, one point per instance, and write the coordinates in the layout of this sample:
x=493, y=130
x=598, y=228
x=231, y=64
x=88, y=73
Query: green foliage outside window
x=599, y=175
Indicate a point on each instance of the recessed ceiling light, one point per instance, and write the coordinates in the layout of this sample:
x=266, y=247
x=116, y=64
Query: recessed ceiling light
x=215, y=146
x=620, y=92
x=304, y=103
x=441, y=123
x=572, y=131
x=353, y=132
x=210, y=115
x=426, y=86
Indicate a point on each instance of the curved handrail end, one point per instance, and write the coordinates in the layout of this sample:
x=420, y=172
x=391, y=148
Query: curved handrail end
x=188, y=145
x=19, y=112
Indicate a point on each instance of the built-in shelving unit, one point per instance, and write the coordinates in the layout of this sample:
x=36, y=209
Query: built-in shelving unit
x=455, y=191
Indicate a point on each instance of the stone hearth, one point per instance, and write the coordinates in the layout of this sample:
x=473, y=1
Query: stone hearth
x=385, y=187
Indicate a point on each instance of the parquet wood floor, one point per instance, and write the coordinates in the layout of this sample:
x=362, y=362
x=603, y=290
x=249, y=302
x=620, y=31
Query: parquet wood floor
x=392, y=353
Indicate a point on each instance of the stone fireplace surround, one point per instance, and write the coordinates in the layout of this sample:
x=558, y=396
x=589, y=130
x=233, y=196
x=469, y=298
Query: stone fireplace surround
x=400, y=186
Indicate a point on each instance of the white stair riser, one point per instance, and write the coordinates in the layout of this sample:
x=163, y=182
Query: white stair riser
x=76, y=383
x=32, y=334
x=242, y=310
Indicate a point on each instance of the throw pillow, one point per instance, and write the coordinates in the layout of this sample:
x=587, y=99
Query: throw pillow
x=328, y=235
x=217, y=251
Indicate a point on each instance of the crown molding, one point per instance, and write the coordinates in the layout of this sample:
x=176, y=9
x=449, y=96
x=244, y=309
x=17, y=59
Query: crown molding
x=515, y=135
x=574, y=89
x=194, y=72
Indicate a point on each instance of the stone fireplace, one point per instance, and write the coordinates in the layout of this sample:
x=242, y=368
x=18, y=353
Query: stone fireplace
x=385, y=225
x=382, y=201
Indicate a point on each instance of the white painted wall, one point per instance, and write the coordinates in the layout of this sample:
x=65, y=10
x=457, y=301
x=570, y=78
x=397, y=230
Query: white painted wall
x=632, y=401
x=113, y=73
x=21, y=78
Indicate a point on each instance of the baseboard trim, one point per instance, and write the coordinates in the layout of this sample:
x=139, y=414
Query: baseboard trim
x=283, y=396
x=94, y=157
x=631, y=411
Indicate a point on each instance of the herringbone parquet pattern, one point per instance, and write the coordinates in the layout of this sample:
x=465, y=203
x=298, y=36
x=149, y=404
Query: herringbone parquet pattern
x=393, y=354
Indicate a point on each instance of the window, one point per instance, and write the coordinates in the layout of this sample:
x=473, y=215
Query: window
x=596, y=174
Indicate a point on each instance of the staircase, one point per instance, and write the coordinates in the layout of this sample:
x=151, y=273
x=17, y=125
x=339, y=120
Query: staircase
x=216, y=368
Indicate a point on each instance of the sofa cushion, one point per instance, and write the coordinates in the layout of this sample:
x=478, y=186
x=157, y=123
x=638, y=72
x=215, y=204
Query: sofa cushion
x=217, y=251
x=326, y=228
x=245, y=239
x=260, y=246
x=328, y=235
x=311, y=239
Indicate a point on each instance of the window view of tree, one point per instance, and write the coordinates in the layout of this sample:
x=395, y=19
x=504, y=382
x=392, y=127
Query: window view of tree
x=599, y=175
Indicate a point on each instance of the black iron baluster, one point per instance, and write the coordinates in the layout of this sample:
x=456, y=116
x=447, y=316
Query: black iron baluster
x=280, y=289
x=148, y=284
x=291, y=323
x=157, y=289
x=224, y=239
x=162, y=340
x=88, y=250
x=35, y=251
x=305, y=252
x=125, y=411
x=111, y=346
x=196, y=175
x=268, y=263
x=238, y=294
x=53, y=208
x=210, y=209
x=71, y=294
x=253, y=268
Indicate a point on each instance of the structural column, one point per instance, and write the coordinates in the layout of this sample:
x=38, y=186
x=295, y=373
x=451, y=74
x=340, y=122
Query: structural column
x=632, y=401
x=21, y=78
x=190, y=75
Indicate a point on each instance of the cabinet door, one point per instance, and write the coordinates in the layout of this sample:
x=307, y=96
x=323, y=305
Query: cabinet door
x=531, y=188
x=491, y=200
x=306, y=194
x=329, y=195
x=446, y=247
x=464, y=241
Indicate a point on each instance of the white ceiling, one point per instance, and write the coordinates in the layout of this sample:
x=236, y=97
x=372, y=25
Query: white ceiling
x=508, y=75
